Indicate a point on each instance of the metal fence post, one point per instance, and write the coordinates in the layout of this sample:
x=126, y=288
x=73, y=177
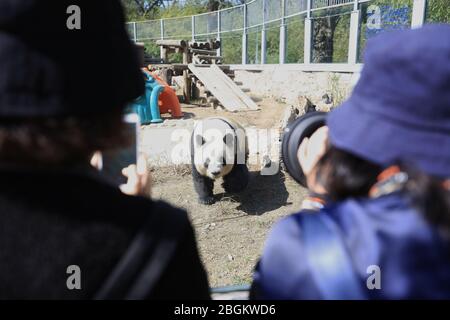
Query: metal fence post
x=244, y=38
x=308, y=35
x=134, y=32
x=219, y=28
x=263, y=34
x=418, y=13
x=283, y=33
x=163, y=52
x=354, y=34
x=193, y=27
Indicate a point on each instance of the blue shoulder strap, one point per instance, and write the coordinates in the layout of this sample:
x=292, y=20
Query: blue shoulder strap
x=329, y=262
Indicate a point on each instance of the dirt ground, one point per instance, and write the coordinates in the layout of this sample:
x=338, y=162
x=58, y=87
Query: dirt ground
x=267, y=117
x=262, y=119
x=231, y=232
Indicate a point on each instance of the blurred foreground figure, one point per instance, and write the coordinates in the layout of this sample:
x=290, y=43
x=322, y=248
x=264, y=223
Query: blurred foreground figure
x=64, y=233
x=378, y=219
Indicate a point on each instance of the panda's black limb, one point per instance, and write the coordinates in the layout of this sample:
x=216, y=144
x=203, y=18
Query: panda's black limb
x=204, y=187
x=237, y=180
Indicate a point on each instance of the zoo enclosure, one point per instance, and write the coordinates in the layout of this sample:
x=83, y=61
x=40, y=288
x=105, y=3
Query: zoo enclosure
x=290, y=31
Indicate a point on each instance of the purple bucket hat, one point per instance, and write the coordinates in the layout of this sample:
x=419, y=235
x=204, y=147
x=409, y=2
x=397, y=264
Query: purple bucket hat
x=400, y=108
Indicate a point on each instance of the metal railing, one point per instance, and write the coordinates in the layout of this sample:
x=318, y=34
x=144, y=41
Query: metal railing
x=259, y=16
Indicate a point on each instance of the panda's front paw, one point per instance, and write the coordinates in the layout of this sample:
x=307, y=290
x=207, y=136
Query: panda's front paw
x=206, y=200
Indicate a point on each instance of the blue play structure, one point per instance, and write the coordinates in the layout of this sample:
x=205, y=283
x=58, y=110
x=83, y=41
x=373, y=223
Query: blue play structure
x=146, y=106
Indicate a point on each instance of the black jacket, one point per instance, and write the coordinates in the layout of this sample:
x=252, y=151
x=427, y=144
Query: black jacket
x=51, y=220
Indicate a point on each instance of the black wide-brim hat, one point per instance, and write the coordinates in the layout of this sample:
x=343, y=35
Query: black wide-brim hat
x=47, y=69
x=399, y=110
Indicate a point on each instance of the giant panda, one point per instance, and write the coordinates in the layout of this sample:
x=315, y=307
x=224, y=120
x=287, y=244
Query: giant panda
x=218, y=150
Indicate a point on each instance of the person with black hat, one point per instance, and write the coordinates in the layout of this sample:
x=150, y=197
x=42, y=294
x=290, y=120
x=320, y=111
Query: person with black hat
x=64, y=233
x=380, y=175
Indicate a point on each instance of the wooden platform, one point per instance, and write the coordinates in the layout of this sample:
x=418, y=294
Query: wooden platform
x=223, y=88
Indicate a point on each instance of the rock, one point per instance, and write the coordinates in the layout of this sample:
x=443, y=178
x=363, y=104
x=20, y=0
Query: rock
x=327, y=99
x=209, y=227
x=289, y=115
x=324, y=107
x=266, y=162
x=305, y=105
x=230, y=257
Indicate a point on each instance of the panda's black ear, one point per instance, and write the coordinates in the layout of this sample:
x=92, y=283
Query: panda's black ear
x=199, y=140
x=228, y=139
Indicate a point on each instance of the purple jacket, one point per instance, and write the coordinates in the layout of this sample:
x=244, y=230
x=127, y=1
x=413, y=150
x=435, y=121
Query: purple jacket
x=413, y=257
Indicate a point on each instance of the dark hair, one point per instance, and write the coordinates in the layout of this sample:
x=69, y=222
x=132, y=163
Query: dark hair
x=344, y=175
x=59, y=140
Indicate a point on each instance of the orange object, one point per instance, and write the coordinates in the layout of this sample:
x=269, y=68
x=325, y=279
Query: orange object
x=168, y=100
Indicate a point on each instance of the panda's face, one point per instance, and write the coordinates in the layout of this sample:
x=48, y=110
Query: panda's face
x=214, y=157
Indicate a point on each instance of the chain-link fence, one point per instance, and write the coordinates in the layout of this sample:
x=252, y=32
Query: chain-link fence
x=294, y=31
x=212, y=24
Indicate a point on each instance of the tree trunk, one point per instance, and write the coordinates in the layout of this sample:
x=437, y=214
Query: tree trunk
x=323, y=35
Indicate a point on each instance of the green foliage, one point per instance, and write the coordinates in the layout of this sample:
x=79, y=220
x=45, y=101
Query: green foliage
x=140, y=9
x=341, y=39
x=151, y=48
x=295, y=40
x=232, y=47
x=254, y=46
x=438, y=11
x=190, y=7
x=338, y=92
x=331, y=28
x=273, y=43
x=332, y=23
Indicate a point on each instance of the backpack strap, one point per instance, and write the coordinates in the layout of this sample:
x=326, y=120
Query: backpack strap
x=142, y=265
x=330, y=264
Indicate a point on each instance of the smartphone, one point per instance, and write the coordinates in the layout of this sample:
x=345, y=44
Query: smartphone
x=114, y=161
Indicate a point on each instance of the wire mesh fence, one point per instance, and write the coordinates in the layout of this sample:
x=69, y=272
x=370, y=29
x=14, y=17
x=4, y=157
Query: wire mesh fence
x=148, y=30
x=291, y=31
x=329, y=3
x=232, y=19
x=177, y=28
x=206, y=24
x=255, y=13
x=293, y=7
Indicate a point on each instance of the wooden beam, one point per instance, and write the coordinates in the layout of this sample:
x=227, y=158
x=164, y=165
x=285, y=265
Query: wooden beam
x=248, y=102
x=171, y=43
x=202, y=51
x=206, y=57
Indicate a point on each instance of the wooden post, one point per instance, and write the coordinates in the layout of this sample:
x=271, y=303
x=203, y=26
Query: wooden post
x=164, y=55
x=186, y=79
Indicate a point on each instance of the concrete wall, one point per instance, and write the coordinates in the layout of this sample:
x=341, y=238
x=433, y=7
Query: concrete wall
x=287, y=84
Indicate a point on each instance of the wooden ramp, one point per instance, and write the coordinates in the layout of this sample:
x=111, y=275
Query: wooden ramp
x=223, y=88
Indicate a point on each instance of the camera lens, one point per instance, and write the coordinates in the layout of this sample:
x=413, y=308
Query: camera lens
x=301, y=128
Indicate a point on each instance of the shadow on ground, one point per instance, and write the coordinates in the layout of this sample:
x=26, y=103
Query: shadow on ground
x=264, y=193
x=186, y=115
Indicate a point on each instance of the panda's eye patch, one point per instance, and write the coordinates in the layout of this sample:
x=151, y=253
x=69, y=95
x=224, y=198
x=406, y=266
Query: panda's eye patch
x=200, y=140
x=206, y=164
x=228, y=139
